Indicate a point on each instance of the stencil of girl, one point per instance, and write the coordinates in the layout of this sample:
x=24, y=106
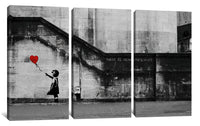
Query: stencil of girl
x=54, y=89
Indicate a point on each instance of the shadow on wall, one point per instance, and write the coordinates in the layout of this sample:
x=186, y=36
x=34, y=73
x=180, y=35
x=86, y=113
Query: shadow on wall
x=162, y=76
x=35, y=36
x=173, y=76
x=100, y=75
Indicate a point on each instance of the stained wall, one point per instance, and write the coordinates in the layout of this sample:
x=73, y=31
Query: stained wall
x=31, y=37
x=155, y=32
x=106, y=29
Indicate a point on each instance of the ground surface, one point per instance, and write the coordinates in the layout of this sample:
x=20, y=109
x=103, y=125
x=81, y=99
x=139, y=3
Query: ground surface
x=163, y=108
x=37, y=111
x=101, y=109
x=98, y=110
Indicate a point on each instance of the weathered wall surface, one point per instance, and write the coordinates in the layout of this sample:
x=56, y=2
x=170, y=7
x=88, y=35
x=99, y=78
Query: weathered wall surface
x=26, y=37
x=163, y=76
x=184, y=18
x=155, y=32
x=58, y=16
x=100, y=76
x=96, y=34
x=107, y=29
x=173, y=76
x=33, y=27
x=86, y=71
x=25, y=79
x=144, y=76
x=184, y=22
x=160, y=70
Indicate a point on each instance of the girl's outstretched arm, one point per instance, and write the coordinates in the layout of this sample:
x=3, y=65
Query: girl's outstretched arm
x=48, y=75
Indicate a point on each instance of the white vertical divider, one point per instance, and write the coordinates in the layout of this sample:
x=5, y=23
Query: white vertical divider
x=70, y=62
x=132, y=61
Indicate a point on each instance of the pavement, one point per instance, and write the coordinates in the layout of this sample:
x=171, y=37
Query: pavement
x=101, y=109
x=38, y=111
x=162, y=108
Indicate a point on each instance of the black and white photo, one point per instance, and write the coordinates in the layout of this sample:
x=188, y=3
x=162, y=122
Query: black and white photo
x=162, y=63
x=38, y=70
x=101, y=63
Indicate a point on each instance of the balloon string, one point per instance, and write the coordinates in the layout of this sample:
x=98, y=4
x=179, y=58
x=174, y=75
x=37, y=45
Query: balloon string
x=38, y=67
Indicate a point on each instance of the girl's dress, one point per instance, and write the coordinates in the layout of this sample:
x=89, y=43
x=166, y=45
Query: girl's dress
x=54, y=89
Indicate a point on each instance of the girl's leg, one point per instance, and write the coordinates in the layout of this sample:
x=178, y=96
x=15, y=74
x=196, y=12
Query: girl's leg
x=55, y=97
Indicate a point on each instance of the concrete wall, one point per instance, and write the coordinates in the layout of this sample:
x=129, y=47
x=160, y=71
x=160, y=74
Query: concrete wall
x=86, y=67
x=161, y=71
x=107, y=29
x=184, y=18
x=163, y=76
x=98, y=76
x=173, y=76
x=25, y=80
x=184, y=22
x=155, y=32
x=144, y=76
x=58, y=16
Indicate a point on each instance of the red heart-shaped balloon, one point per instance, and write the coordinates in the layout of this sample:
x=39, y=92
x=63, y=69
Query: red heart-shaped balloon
x=34, y=59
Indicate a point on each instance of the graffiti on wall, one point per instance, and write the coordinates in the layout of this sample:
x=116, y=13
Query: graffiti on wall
x=35, y=36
